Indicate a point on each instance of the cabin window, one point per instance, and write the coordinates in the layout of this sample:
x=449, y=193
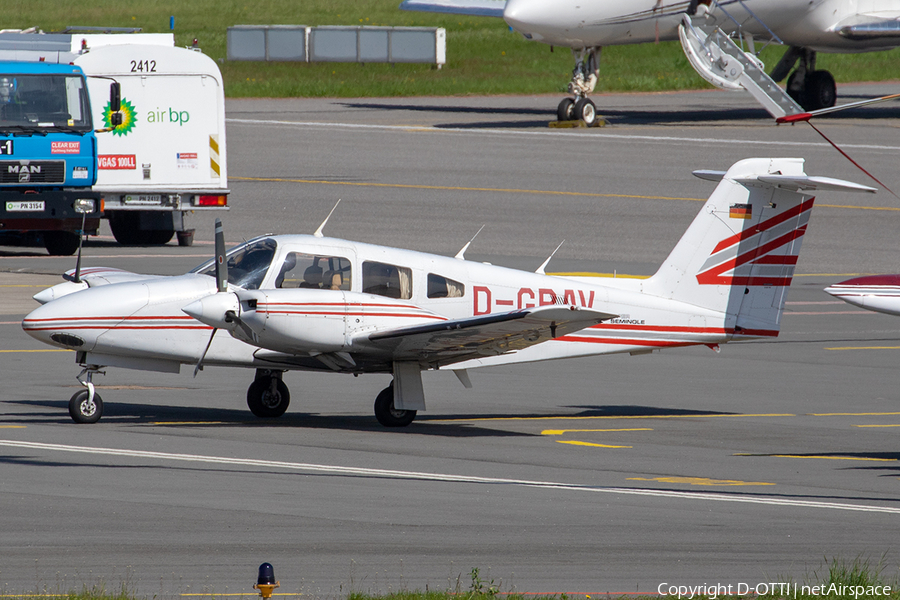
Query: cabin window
x=313, y=271
x=387, y=280
x=444, y=287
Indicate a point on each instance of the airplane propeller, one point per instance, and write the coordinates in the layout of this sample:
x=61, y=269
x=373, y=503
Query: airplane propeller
x=221, y=283
x=222, y=309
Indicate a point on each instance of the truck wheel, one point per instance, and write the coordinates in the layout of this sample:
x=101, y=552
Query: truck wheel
x=61, y=243
x=126, y=229
x=161, y=237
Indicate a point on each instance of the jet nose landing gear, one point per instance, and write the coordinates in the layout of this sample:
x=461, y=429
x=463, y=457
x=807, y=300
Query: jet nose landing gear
x=584, y=80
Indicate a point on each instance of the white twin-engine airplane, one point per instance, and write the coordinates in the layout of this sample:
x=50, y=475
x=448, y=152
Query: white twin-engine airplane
x=719, y=38
x=301, y=302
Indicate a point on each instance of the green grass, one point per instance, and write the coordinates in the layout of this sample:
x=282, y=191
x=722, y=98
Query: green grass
x=484, y=57
x=837, y=579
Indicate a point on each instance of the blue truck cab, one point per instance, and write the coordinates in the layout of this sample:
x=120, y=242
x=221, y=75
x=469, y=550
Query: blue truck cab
x=48, y=155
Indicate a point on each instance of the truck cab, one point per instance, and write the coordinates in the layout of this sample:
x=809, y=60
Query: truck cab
x=48, y=154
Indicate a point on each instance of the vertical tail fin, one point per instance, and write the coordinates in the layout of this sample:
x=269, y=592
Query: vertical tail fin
x=739, y=254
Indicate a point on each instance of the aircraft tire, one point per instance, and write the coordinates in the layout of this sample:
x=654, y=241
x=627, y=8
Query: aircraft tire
x=81, y=411
x=566, y=110
x=385, y=412
x=821, y=91
x=264, y=403
x=796, y=88
x=586, y=110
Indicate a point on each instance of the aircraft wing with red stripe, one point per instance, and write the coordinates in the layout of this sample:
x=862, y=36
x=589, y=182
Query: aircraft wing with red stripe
x=456, y=340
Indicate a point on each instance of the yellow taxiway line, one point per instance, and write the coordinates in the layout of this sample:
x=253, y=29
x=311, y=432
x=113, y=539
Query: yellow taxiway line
x=453, y=188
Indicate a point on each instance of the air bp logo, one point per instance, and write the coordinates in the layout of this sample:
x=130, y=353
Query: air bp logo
x=129, y=118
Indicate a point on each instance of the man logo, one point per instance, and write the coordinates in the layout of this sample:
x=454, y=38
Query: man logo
x=24, y=171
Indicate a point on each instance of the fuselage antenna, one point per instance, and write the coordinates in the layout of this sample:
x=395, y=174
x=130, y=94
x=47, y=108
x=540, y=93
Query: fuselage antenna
x=318, y=232
x=461, y=255
x=540, y=269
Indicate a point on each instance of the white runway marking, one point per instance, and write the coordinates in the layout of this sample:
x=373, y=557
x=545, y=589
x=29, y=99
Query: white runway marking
x=556, y=133
x=420, y=476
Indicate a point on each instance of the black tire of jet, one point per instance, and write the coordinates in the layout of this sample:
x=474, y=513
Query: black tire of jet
x=263, y=403
x=77, y=406
x=820, y=90
x=385, y=412
x=566, y=110
x=796, y=89
x=586, y=111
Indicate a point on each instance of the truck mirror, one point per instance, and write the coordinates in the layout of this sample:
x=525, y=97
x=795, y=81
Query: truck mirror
x=115, y=97
x=115, y=104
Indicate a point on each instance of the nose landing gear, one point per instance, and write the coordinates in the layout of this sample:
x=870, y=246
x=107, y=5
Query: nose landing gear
x=86, y=406
x=584, y=80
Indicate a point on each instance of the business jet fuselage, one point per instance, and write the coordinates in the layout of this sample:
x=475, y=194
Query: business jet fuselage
x=805, y=26
x=820, y=25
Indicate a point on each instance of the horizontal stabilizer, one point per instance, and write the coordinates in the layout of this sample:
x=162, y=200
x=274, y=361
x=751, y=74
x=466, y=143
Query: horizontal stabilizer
x=808, y=183
x=452, y=341
x=791, y=182
x=475, y=8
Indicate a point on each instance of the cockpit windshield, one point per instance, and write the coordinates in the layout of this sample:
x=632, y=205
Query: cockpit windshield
x=247, y=264
x=39, y=102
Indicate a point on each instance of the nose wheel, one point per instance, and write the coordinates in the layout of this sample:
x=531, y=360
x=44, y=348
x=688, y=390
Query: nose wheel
x=86, y=406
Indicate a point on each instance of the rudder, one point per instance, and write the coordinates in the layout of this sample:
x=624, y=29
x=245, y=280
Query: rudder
x=739, y=254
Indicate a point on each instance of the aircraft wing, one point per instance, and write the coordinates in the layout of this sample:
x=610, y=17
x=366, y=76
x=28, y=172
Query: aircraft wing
x=456, y=340
x=478, y=8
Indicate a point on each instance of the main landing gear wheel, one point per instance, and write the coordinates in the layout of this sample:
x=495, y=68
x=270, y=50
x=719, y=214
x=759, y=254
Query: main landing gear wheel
x=566, y=110
x=82, y=410
x=812, y=91
x=268, y=397
x=586, y=111
x=385, y=412
x=821, y=91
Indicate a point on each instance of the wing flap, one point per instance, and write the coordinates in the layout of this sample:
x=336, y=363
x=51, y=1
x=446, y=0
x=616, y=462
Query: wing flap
x=456, y=340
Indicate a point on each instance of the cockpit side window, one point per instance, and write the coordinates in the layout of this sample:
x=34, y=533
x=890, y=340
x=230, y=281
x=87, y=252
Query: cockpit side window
x=387, y=280
x=248, y=264
x=312, y=271
x=444, y=287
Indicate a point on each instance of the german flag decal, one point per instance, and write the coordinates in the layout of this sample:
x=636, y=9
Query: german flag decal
x=740, y=211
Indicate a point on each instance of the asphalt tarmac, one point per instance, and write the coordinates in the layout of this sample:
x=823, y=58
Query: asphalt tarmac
x=616, y=474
